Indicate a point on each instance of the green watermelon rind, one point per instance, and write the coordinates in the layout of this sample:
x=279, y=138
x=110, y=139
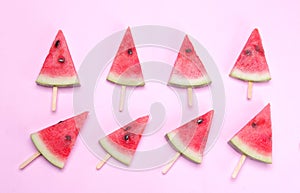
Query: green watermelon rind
x=127, y=81
x=182, y=148
x=254, y=77
x=242, y=147
x=182, y=82
x=42, y=148
x=49, y=81
x=115, y=151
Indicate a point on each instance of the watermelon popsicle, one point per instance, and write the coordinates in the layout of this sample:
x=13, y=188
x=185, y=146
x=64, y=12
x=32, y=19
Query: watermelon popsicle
x=126, y=69
x=122, y=143
x=188, y=71
x=254, y=140
x=251, y=65
x=58, y=69
x=190, y=139
x=56, y=142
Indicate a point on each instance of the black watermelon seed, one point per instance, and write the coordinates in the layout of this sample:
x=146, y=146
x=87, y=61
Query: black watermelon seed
x=126, y=137
x=253, y=125
x=248, y=52
x=127, y=128
x=188, y=50
x=61, y=60
x=199, y=121
x=59, y=122
x=68, y=138
x=129, y=51
x=57, y=43
x=257, y=48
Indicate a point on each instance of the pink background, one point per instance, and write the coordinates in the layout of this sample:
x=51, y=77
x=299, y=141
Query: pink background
x=27, y=31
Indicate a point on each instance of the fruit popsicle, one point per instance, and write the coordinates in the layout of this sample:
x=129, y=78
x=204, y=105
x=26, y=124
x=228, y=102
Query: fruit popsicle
x=190, y=139
x=254, y=140
x=188, y=71
x=56, y=142
x=251, y=65
x=126, y=69
x=58, y=69
x=122, y=143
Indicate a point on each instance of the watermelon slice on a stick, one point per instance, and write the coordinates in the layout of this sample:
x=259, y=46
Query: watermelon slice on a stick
x=56, y=142
x=190, y=139
x=58, y=69
x=254, y=140
x=251, y=65
x=188, y=71
x=126, y=69
x=122, y=143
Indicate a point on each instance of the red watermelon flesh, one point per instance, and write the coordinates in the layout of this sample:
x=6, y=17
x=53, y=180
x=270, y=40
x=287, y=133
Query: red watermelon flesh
x=58, y=68
x=122, y=143
x=251, y=64
x=56, y=142
x=190, y=139
x=188, y=70
x=255, y=138
x=126, y=68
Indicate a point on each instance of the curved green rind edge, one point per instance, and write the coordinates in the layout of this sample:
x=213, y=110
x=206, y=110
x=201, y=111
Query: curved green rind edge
x=178, y=81
x=253, y=77
x=125, y=81
x=40, y=145
x=48, y=81
x=125, y=157
x=180, y=147
x=241, y=147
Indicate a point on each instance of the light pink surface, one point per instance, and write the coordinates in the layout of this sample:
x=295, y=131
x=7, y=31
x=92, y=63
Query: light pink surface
x=27, y=31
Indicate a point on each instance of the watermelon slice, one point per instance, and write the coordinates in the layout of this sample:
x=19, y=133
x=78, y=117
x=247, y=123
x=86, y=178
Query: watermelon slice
x=188, y=70
x=190, y=139
x=56, y=142
x=58, y=69
x=126, y=69
x=251, y=64
x=255, y=138
x=122, y=143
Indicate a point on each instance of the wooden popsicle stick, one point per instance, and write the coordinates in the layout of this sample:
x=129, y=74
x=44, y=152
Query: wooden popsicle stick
x=171, y=163
x=54, y=98
x=249, y=91
x=238, y=166
x=102, y=162
x=122, y=97
x=190, y=96
x=29, y=160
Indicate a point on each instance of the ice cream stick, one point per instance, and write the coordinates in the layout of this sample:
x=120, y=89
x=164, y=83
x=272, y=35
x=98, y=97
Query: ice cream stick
x=249, y=92
x=238, y=166
x=102, y=162
x=171, y=163
x=29, y=160
x=190, y=96
x=122, y=97
x=54, y=98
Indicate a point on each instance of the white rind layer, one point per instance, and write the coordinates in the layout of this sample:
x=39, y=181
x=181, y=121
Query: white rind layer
x=45, y=80
x=127, y=81
x=242, y=147
x=119, y=153
x=254, y=77
x=179, y=81
x=182, y=148
x=39, y=144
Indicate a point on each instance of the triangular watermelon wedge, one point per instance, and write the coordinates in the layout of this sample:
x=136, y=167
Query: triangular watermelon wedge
x=56, y=142
x=190, y=139
x=122, y=143
x=251, y=64
x=126, y=69
x=188, y=70
x=255, y=138
x=58, y=69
